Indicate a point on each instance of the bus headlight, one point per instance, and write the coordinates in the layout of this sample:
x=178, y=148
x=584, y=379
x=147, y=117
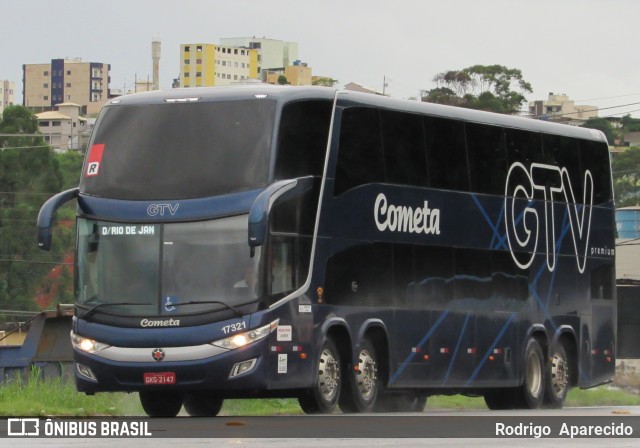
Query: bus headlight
x=241, y=339
x=86, y=344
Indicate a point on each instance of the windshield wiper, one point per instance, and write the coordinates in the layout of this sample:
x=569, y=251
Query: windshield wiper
x=203, y=302
x=91, y=311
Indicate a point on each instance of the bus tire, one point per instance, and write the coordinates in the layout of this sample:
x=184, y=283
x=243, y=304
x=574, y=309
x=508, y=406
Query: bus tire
x=400, y=402
x=532, y=389
x=161, y=403
x=202, y=404
x=363, y=383
x=500, y=399
x=323, y=397
x=557, y=377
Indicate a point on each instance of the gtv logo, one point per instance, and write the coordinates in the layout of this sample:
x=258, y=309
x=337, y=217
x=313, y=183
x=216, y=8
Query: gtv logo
x=549, y=183
x=162, y=209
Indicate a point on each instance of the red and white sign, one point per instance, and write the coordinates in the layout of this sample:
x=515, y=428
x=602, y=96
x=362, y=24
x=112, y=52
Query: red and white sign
x=94, y=160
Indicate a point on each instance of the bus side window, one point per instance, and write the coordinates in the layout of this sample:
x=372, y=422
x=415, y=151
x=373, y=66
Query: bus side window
x=360, y=159
x=594, y=157
x=302, y=139
x=487, y=158
x=563, y=153
x=282, y=275
x=523, y=146
x=446, y=154
x=404, y=148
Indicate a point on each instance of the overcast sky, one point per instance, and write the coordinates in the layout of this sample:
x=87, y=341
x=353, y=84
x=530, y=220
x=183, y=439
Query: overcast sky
x=584, y=48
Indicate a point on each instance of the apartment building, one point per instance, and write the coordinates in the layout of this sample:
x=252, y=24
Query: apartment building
x=203, y=64
x=7, y=94
x=298, y=74
x=64, y=128
x=272, y=53
x=559, y=107
x=66, y=81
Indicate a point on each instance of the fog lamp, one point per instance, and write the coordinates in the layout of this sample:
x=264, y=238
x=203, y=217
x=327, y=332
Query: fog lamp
x=243, y=367
x=86, y=372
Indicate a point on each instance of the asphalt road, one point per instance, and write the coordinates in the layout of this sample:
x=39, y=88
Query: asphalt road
x=432, y=428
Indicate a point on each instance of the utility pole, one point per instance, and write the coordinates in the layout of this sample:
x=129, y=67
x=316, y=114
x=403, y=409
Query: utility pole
x=384, y=85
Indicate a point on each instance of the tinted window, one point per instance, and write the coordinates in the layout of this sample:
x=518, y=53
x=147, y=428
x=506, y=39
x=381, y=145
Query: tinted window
x=180, y=150
x=563, y=153
x=487, y=158
x=526, y=148
x=523, y=146
x=404, y=148
x=289, y=254
x=302, y=139
x=360, y=159
x=594, y=156
x=446, y=154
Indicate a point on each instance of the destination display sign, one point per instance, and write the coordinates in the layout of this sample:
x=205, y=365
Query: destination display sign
x=128, y=230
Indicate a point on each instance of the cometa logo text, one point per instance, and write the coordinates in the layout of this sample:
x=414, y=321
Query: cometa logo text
x=160, y=323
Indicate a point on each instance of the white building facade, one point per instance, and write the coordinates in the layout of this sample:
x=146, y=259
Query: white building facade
x=272, y=53
x=7, y=94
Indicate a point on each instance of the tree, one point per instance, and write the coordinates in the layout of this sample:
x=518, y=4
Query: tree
x=626, y=177
x=29, y=173
x=282, y=80
x=324, y=81
x=19, y=120
x=495, y=88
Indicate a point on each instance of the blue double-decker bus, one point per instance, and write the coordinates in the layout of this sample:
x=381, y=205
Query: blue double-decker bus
x=350, y=250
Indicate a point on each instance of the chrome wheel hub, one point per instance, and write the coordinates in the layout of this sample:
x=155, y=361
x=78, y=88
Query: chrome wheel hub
x=559, y=375
x=366, y=375
x=328, y=375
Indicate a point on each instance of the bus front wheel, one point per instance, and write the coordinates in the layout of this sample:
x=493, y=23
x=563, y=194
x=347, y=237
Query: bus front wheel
x=363, y=383
x=202, y=404
x=323, y=397
x=161, y=403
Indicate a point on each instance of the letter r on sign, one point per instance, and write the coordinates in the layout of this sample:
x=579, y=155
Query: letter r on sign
x=92, y=170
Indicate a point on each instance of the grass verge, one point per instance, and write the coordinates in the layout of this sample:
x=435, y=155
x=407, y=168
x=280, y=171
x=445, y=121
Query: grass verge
x=36, y=397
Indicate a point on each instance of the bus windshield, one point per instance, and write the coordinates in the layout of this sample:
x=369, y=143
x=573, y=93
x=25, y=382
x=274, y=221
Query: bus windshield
x=178, y=151
x=165, y=269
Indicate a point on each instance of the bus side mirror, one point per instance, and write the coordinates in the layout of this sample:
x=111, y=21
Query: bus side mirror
x=48, y=211
x=261, y=207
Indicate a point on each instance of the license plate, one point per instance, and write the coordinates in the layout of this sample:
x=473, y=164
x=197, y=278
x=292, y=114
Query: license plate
x=159, y=378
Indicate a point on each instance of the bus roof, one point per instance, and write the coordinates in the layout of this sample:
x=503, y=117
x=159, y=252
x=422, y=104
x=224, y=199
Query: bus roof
x=226, y=93
x=470, y=115
x=289, y=93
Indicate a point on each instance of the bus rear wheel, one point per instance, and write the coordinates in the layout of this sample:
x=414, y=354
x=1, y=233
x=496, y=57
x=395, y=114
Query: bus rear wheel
x=161, y=403
x=323, y=397
x=557, y=377
x=202, y=404
x=532, y=390
x=363, y=384
x=531, y=394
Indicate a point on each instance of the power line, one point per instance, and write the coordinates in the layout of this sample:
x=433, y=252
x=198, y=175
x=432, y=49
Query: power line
x=61, y=263
x=618, y=113
x=2, y=148
x=607, y=97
